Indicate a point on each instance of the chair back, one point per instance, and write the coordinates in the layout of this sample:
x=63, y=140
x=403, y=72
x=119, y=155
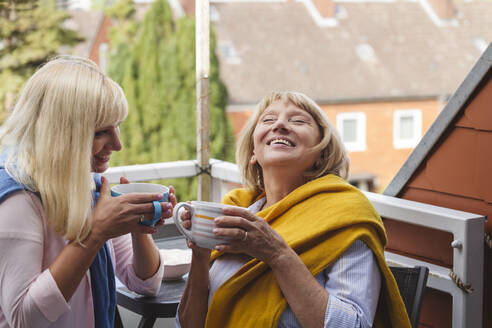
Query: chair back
x=411, y=283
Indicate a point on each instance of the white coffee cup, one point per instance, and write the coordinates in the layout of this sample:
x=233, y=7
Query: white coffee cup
x=202, y=223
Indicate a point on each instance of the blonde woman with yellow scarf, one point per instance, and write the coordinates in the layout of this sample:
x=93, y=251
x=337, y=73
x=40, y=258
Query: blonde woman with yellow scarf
x=307, y=249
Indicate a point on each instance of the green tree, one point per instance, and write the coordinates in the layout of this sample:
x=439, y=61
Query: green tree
x=155, y=65
x=31, y=31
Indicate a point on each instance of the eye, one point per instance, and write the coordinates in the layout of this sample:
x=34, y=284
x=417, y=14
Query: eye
x=102, y=133
x=268, y=119
x=298, y=120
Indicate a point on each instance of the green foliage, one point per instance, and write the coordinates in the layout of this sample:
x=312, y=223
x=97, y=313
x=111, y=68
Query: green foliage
x=31, y=31
x=154, y=62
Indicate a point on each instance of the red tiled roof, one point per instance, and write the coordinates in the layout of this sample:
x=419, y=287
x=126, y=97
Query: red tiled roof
x=280, y=46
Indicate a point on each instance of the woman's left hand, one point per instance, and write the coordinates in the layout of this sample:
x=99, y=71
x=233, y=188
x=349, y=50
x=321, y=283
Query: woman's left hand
x=167, y=207
x=249, y=234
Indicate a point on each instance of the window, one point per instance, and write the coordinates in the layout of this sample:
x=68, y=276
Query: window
x=214, y=14
x=226, y=48
x=352, y=128
x=407, y=128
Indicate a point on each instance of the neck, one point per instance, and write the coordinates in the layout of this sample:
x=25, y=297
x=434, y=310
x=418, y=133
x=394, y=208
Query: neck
x=279, y=183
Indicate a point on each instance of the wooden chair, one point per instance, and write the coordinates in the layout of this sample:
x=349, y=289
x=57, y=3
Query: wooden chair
x=411, y=283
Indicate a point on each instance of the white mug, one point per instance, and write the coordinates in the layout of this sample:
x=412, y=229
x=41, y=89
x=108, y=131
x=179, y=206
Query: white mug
x=202, y=223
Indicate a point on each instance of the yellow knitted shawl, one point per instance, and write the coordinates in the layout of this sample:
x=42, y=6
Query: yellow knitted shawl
x=319, y=220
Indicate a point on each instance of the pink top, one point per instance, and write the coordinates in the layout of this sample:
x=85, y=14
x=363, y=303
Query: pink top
x=29, y=296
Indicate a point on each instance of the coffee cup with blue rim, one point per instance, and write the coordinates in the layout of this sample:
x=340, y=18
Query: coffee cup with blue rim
x=148, y=188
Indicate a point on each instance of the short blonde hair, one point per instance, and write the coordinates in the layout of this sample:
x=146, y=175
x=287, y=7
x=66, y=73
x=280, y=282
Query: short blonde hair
x=49, y=134
x=333, y=156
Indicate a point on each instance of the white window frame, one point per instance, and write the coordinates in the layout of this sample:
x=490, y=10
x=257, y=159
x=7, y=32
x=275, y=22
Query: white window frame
x=360, y=117
x=416, y=114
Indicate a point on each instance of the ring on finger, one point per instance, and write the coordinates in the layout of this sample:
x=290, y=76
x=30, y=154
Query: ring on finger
x=142, y=218
x=245, y=236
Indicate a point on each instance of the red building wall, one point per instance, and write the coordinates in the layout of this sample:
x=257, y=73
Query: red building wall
x=457, y=174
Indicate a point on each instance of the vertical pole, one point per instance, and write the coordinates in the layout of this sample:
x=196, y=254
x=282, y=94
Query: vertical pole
x=202, y=42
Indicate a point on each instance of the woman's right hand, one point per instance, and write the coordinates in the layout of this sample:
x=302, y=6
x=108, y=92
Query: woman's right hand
x=197, y=251
x=117, y=216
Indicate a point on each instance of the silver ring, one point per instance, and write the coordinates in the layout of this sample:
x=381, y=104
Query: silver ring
x=142, y=218
x=245, y=236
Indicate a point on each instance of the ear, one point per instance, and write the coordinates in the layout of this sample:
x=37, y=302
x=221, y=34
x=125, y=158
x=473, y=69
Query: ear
x=253, y=160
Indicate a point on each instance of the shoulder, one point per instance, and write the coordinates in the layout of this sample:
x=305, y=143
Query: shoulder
x=332, y=191
x=21, y=216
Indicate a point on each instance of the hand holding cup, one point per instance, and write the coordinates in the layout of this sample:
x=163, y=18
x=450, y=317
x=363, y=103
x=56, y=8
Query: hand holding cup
x=131, y=188
x=199, y=229
x=116, y=216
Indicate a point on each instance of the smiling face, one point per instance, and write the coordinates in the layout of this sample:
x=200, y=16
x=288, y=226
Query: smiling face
x=283, y=136
x=106, y=140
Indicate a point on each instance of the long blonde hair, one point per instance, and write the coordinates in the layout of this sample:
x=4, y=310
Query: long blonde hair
x=333, y=156
x=48, y=138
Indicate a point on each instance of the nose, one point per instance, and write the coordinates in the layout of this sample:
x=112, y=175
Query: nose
x=116, y=141
x=280, y=124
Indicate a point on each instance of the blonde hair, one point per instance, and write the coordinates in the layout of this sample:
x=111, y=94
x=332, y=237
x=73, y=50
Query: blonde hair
x=48, y=138
x=333, y=156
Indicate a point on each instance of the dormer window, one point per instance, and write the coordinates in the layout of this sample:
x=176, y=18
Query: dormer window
x=366, y=53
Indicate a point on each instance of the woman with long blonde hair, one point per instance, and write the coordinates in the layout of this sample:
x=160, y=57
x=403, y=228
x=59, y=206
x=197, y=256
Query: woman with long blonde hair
x=63, y=238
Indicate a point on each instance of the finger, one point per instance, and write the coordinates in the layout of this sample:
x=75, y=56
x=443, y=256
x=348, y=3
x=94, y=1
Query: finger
x=124, y=180
x=167, y=210
x=185, y=214
x=235, y=234
x=137, y=198
x=189, y=243
x=146, y=209
x=226, y=248
x=172, y=199
x=104, y=190
x=172, y=195
x=145, y=216
x=232, y=222
x=242, y=212
x=186, y=224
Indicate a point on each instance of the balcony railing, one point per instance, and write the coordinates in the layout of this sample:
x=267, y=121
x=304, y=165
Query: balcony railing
x=467, y=230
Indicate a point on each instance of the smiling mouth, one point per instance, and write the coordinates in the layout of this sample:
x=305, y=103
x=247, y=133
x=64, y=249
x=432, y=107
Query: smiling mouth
x=280, y=141
x=103, y=158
